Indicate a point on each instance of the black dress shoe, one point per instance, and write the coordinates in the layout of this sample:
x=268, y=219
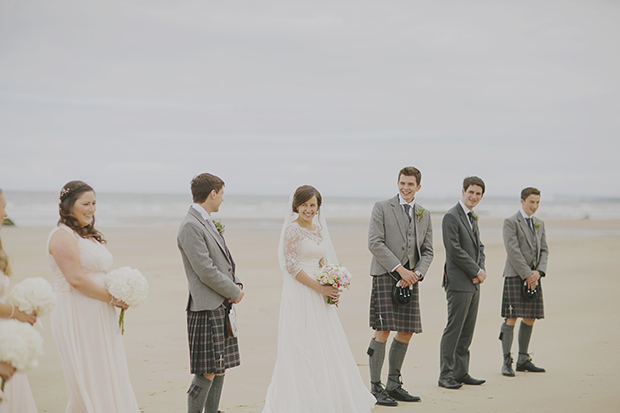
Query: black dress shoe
x=449, y=383
x=402, y=395
x=507, y=366
x=527, y=365
x=383, y=398
x=467, y=379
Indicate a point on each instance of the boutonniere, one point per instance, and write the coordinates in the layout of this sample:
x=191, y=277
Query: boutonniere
x=536, y=224
x=219, y=226
x=475, y=216
x=419, y=213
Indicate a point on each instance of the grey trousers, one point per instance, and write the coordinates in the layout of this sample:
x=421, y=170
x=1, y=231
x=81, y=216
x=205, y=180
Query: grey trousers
x=458, y=334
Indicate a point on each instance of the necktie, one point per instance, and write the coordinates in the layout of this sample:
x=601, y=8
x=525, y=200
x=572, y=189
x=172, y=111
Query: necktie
x=407, y=209
x=472, y=220
x=529, y=224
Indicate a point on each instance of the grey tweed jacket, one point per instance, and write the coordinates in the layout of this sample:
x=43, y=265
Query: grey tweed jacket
x=209, y=267
x=525, y=251
x=387, y=237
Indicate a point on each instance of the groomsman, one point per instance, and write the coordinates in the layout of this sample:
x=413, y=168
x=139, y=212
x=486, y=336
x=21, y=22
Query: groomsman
x=526, y=262
x=463, y=274
x=400, y=238
x=213, y=286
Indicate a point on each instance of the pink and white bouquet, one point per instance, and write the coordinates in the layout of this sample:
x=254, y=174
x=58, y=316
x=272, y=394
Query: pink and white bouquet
x=20, y=346
x=337, y=276
x=129, y=286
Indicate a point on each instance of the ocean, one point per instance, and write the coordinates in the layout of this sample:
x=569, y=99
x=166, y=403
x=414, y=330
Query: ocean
x=149, y=210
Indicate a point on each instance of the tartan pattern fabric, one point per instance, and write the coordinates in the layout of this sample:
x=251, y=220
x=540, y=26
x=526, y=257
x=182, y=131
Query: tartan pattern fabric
x=515, y=306
x=210, y=350
x=385, y=315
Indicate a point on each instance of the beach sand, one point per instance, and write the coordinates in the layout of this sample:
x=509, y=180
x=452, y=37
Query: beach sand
x=577, y=342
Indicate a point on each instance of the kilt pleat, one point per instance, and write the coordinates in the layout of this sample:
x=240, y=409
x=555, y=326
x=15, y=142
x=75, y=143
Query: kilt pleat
x=385, y=315
x=515, y=306
x=210, y=350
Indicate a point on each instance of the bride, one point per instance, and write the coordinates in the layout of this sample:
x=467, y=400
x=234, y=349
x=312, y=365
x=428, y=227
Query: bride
x=315, y=370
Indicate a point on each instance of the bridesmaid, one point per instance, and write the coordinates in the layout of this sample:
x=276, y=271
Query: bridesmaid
x=84, y=321
x=17, y=390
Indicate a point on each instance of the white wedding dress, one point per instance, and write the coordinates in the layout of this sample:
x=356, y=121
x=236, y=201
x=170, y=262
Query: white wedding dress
x=315, y=371
x=18, y=397
x=88, y=338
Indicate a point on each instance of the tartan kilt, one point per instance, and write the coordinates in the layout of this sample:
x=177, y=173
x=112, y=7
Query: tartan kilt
x=515, y=306
x=385, y=315
x=210, y=349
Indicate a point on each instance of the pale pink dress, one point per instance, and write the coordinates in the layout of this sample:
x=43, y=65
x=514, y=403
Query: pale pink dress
x=18, y=397
x=88, y=338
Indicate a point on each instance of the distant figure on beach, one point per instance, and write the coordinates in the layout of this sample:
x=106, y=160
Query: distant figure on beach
x=525, y=240
x=463, y=273
x=400, y=238
x=213, y=288
x=18, y=397
x=84, y=322
x=315, y=370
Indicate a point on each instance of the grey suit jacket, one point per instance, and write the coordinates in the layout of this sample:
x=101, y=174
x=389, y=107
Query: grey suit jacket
x=464, y=251
x=209, y=267
x=387, y=238
x=524, y=251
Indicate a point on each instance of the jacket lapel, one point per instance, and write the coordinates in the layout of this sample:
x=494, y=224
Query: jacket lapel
x=212, y=232
x=399, y=212
x=538, y=235
x=526, y=229
x=466, y=222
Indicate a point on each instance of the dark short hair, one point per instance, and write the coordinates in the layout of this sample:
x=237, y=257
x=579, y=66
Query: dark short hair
x=68, y=195
x=303, y=194
x=473, y=180
x=529, y=191
x=203, y=184
x=411, y=171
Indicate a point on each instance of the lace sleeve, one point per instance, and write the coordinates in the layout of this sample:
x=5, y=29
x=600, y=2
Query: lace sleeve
x=292, y=246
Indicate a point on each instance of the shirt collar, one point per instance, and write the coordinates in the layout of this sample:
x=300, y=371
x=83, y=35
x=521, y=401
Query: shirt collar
x=403, y=202
x=525, y=215
x=467, y=211
x=203, y=212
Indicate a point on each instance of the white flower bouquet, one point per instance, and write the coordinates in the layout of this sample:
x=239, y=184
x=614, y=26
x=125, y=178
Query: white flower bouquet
x=129, y=286
x=33, y=295
x=335, y=275
x=20, y=345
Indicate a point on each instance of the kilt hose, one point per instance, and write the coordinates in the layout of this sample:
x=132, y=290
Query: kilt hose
x=210, y=349
x=515, y=306
x=387, y=316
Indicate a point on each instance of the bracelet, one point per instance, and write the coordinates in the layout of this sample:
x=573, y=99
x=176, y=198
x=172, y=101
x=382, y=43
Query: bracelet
x=111, y=299
x=12, y=311
x=322, y=290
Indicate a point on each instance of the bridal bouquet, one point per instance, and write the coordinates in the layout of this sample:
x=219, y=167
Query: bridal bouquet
x=20, y=345
x=129, y=286
x=33, y=295
x=335, y=275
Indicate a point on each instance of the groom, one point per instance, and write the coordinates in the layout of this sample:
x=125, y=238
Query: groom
x=400, y=238
x=213, y=285
x=463, y=273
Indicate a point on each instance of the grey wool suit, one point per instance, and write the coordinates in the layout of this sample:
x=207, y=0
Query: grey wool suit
x=525, y=252
x=209, y=267
x=390, y=238
x=464, y=259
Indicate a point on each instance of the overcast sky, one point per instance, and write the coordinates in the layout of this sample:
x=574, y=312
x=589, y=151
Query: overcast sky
x=141, y=95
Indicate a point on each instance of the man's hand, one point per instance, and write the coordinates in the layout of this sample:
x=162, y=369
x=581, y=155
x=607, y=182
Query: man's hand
x=479, y=279
x=532, y=279
x=238, y=300
x=407, y=277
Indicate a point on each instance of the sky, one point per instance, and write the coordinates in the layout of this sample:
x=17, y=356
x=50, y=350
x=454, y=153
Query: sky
x=141, y=95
